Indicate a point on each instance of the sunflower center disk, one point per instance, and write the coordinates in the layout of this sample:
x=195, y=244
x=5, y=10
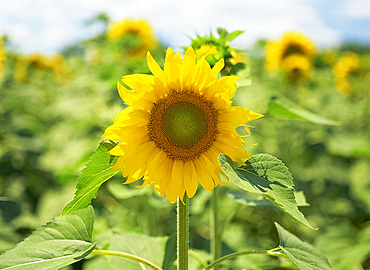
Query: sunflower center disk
x=184, y=124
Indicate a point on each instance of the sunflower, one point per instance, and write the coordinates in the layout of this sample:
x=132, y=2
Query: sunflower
x=296, y=68
x=290, y=43
x=133, y=29
x=57, y=64
x=347, y=65
x=2, y=56
x=210, y=52
x=178, y=121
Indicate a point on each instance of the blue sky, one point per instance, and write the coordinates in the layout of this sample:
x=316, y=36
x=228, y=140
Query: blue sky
x=49, y=25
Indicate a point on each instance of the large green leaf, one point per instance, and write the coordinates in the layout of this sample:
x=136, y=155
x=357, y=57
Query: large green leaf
x=283, y=108
x=266, y=175
x=59, y=243
x=97, y=171
x=245, y=200
x=242, y=199
x=305, y=256
x=149, y=248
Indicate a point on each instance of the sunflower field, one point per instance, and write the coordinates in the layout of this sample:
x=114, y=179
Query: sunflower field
x=120, y=152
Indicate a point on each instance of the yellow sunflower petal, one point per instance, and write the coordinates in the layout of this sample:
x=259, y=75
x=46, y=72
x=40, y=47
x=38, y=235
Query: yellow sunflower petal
x=155, y=68
x=238, y=116
x=217, y=68
x=204, y=178
x=191, y=181
x=175, y=183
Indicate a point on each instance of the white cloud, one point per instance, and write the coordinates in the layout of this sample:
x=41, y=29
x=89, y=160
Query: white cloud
x=49, y=25
x=358, y=8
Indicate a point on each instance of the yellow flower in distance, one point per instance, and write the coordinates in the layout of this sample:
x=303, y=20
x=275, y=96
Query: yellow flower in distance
x=2, y=56
x=137, y=28
x=178, y=121
x=346, y=66
x=296, y=67
x=290, y=43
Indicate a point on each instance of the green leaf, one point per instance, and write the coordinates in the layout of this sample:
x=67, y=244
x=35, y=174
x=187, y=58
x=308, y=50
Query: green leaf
x=97, y=171
x=222, y=32
x=300, y=198
x=266, y=175
x=149, y=248
x=233, y=35
x=170, y=252
x=283, y=108
x=242, y=199
x=59, y=243
x=305, y=256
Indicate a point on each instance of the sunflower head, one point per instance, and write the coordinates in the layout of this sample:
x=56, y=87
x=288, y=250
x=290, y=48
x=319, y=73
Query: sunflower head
x=2, y=56
x=347, y=66
x=291, y=43
x=178, y=121
x=136, y=35
x=57, y=64
x=209, y=51
x=216, y=48
x=296, y=68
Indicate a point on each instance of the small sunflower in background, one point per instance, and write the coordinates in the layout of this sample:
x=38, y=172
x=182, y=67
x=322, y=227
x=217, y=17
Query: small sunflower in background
x=347, y=66
x=2, y=56
x=296, y=68
x=57, y=64
x=135, y=36
x=178, y=122
x=293, y=54
x=291, y=43
x=25, y=65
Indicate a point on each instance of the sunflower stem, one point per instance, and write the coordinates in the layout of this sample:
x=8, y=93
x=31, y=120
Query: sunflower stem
x=273, y=252
x=182, y=233
x=128, y=256
x=215, y=236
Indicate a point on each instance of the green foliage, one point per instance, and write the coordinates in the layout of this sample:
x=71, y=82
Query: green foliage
x=222, y=45
x=149, y=248
x=266, y=175
x=97, y=171
x=59, y=243
x=302, y=254
x=170, y=252
x=283, y=108
x=243, y=71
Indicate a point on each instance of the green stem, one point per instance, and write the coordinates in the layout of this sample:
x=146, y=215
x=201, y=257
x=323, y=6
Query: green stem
x=182, y=233
x=126, y=255
x=215, y=232
x=249, y=252
x=197, y=257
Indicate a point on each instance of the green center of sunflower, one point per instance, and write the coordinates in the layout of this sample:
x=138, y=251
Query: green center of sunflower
x=184, y=124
